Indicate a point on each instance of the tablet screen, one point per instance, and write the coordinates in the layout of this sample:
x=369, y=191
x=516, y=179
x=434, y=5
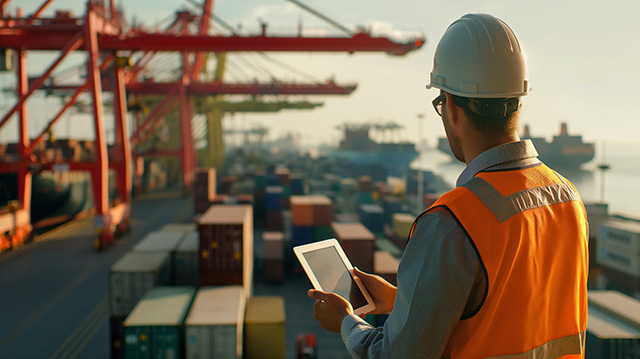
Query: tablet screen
x=334, y=276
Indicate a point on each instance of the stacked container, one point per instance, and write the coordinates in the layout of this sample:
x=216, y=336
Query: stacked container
x=401, y=224
x=185, y=260
x=297, y=185
x=154, y=329
x=619, y=254
x=274, y=208
x=129, y=280
x=386, y=266
x=204, y=189
x=365, y=190
x=260, y=199
x=372, y=216
x=264, y=328
x=357, y=242
x=226, y=246
x=311, y=217
x=161, y=241
x=214, y=325
x=613, y=330
x=390, y=205
x=284, y=181
x=273, y=245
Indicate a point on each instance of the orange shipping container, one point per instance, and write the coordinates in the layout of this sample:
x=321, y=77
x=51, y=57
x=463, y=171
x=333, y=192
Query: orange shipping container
x=301, y=211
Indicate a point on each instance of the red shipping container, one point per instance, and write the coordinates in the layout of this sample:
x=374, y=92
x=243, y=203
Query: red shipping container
x=357, y=242
x=205, y=183
x=226, y=243
x=365, y=184
x=220, y=278
x=322, y=210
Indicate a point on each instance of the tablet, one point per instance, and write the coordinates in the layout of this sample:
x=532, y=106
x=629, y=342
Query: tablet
x=329, y=270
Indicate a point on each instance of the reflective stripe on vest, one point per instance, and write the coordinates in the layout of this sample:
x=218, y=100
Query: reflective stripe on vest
x=572, y=344
x=506, y=207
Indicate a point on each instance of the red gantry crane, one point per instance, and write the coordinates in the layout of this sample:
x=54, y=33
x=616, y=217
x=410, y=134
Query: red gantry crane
x=102, y=34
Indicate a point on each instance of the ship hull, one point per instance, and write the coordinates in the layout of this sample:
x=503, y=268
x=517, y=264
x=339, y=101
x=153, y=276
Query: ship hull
x=395, y=163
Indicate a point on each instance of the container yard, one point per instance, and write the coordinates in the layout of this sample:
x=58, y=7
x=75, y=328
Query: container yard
x=158, y=238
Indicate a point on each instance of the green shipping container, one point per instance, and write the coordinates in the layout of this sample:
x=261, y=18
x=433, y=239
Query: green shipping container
x=321, y=233
x=155, y=327
x=365, y=197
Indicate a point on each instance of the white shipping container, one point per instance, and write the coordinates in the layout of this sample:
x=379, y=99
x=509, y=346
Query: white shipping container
x=623, y=235
x=160, y=241
x=180, y=227
x=624, y=261
x=214, y=325
x=133, y=275
x=185, y=260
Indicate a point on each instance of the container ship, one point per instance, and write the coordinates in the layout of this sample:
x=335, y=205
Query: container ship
x=359, y=147
x=565, y=150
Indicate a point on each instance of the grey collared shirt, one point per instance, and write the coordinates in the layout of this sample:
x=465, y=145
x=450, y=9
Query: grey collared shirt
x=440, y=279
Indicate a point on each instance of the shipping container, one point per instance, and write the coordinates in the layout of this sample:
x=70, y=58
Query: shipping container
x=386, y=266
x=621, y=281
x=348, y=187
x=391, y=205
x=179, y=227
x=302, y=235
x=215, y=322
x=160, y=241
x=154, y=329
x=116, y=336
x=133, y=275
x=365, y=184
x=320, y=233
x=226, y=245
x=273, y=270
x=297, y=185
x=185, y=260
x=301, y=211
x=274, y=198
x=264, y=328
x=273, y=245
x=357, y=242
x=621, y=235
x=613, y=257
x=274, y=221
x=613, y=329
x=372, y=216
x=322, y=210
x=402, y=223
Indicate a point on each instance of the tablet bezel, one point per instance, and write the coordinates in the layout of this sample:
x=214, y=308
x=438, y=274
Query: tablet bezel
x=300, y=250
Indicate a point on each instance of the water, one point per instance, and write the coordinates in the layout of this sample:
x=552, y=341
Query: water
x=621, y=182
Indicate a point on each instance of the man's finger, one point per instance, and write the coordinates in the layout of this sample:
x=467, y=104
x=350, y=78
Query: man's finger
x=316, y=294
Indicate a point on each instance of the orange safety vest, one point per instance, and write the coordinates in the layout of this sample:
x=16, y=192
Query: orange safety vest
x=530, y=230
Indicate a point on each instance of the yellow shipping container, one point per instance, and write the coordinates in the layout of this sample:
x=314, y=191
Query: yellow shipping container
x=264, y=328
x=402, y=223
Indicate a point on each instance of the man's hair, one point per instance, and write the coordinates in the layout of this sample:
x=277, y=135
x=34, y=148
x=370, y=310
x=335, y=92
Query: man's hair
x=489, y=124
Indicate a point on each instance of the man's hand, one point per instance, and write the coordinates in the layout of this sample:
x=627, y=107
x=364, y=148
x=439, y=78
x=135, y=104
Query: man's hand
x=330, y=309
x=382, y=292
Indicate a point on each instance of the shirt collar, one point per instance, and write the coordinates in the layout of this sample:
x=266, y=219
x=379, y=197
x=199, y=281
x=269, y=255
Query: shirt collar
x=499, y=157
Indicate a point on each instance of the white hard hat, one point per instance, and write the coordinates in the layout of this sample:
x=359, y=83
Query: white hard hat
x=479, y=56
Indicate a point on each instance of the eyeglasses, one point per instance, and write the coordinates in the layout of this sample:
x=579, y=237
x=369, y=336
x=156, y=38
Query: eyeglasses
x=437, y=103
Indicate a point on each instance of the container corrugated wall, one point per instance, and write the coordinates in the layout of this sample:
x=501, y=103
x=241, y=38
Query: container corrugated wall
x=214, y=324
x=154, y=329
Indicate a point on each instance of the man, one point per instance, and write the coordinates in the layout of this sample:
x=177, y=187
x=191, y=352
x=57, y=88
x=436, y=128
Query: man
x=496, y=267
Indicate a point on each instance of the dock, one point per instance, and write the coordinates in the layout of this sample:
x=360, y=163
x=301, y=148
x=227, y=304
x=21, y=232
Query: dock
x=57, y=307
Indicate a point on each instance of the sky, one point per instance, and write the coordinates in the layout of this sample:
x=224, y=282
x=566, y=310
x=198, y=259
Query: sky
x=583, y=61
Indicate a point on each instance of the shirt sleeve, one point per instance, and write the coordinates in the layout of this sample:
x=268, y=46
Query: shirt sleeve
x=435, y=280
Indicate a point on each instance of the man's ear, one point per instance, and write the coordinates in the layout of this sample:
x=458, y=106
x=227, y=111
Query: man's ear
x=451, y=109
